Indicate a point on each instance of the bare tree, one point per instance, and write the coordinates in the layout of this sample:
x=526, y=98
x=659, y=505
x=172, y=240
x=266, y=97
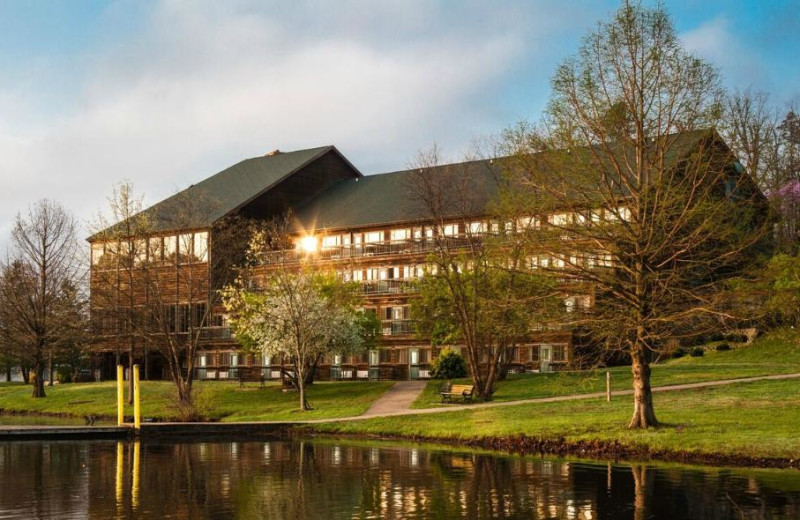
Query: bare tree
x=44, y=260
x=643, y=213
x=474, y=292
x=749, y=126
x=158, y=277
x=115, y=287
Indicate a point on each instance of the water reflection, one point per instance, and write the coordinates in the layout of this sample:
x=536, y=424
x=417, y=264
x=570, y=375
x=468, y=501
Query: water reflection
x=323, y=480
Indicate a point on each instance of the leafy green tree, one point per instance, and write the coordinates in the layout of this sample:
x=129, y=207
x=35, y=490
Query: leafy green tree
x=449, y=364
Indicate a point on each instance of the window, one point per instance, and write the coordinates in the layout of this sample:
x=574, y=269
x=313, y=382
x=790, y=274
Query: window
x=185, y=246
x=97, y=253
x=476, y=228
x=527, y=223
x=331, y=241
x=358, y=275
x=201, y=246
x=450, y=230
x=170, y=248
x=373, y=237
x=156, y=251
x=400, y=234
x=373, y=273
x=559, y=219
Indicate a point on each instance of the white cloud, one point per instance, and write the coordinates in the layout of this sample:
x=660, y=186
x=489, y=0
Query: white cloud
x=206, y=84
x=716, y=41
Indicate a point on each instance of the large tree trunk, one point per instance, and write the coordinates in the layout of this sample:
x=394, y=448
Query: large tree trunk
x=38, y=383
x=644, y=415
x=26, y=374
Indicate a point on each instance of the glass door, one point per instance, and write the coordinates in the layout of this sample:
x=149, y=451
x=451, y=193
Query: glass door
x=545, y=357
x=413, y=364
x=374, y=364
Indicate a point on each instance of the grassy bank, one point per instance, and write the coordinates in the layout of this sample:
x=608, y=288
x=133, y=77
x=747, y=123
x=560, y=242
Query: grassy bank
x=217, y=400
x=754, y=420
x=778, y=353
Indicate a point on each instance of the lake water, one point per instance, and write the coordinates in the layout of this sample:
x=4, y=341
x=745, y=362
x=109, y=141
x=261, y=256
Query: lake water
x=330, y=479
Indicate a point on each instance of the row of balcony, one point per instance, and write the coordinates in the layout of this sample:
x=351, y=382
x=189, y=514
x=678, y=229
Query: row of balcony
x=343, y=372
x=389, y=247
x=388, y=328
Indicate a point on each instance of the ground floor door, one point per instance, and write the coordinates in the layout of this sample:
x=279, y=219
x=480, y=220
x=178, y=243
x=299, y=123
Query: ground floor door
x=413, y=364
x=374, y=365
x=545, y=358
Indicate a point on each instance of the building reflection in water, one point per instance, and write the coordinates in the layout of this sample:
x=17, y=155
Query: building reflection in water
x=323, y=480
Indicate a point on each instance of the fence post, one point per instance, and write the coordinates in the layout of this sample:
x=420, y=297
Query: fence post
x=608, y=387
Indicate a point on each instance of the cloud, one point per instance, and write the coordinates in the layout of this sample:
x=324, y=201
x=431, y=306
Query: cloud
x=200, y=89
x=716, y=41
x=185, y=89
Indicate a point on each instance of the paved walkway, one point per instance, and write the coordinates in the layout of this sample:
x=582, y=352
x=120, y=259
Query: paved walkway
x=573, y=397
x=397, y=399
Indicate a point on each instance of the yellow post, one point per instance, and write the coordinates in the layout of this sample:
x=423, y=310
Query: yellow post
x=608, y=387
x=137, y=411
x=120, y=396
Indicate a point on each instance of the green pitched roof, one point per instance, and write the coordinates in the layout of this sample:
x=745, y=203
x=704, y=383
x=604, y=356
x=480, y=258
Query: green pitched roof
x=388, y=198
x=227, y=191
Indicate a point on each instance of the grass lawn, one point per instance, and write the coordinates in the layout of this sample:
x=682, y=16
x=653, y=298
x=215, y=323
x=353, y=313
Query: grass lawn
x=759, y=419
x=777, y=353
x=220, y=400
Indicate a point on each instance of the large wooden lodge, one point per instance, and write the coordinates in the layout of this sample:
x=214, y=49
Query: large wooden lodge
x=367, y=228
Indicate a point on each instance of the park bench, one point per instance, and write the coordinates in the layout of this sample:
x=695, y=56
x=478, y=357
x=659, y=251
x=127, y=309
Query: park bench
x=250, y=375
x=450, y=392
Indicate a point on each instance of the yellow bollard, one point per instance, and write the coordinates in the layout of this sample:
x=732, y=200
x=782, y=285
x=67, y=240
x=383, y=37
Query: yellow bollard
x=120, y=396
x=137, y=410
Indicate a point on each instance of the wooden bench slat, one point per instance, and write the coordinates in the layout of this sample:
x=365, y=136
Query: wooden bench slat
x=459, y=391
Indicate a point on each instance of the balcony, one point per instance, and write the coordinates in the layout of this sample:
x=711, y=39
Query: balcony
x=378, y=287
x=389, y=247
x=216, y=333
x=398, y=327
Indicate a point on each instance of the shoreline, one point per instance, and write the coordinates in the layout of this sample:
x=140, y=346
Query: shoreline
x=517, y=444
x=597, y=450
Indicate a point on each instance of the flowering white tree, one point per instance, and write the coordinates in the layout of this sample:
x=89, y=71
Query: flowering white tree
x=300, y=314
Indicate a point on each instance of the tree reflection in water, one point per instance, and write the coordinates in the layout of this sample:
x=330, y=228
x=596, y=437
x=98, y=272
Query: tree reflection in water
x=321, y=480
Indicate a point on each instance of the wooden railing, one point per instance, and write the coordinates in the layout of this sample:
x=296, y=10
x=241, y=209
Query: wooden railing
x=388, y=247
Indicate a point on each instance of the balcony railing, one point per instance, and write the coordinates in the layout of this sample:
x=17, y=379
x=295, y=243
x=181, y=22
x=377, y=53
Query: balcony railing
x=398, y=327
x=216, y=333
x=389, y=247
x=374, y=287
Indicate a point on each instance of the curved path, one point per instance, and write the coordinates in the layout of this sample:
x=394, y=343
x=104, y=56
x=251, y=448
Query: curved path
x=401, y=408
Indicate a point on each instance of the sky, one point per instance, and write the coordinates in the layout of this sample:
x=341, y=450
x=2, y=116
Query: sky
x=165, y=93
